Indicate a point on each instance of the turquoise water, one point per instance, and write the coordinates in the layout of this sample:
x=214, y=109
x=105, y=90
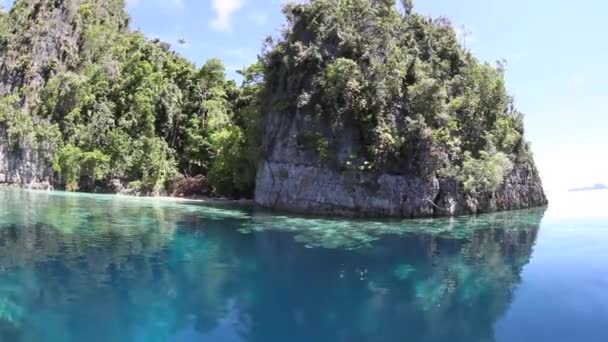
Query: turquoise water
x=106, y=268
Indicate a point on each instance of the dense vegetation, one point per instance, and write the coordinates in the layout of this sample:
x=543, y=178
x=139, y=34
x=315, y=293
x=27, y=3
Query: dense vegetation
x=121, y=107
x=109, y=104
x=422, y=104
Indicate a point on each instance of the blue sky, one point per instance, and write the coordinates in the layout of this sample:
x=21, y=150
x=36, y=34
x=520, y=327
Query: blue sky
x=557, y=52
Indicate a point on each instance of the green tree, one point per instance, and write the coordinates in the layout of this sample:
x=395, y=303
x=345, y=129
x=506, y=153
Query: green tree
x=67, y=164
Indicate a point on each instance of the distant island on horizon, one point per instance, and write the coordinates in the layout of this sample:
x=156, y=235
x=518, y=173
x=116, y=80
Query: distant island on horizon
x=590, y=188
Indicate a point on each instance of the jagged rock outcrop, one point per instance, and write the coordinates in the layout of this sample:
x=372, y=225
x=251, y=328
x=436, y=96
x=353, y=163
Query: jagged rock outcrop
x=373, y=112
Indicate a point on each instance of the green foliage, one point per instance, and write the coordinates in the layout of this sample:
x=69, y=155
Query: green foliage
x=67, y=163
x=12, y=119
x=8, y=106
x=249, y=117
x=77, y=167
x=196, y=147
x=95, y=165
x=486, y=174
x=21, y=130
x=4, y=26
x=136, y=186
x=408, y=6
x=153, y=163
x=225, y=146
x=316, y=142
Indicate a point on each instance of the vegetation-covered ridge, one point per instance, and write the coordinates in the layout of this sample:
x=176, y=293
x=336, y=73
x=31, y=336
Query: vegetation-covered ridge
x=371, y=88
x=108, y=108
x=355, y=88
x=420, y=102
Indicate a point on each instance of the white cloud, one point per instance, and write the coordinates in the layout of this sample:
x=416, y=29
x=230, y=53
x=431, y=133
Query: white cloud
x=224, y=9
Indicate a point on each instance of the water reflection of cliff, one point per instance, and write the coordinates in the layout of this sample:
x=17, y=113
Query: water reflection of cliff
x=438, y=286
x=103, y=269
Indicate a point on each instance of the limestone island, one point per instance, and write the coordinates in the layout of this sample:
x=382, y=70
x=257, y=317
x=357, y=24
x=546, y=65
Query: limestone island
x=358, y=108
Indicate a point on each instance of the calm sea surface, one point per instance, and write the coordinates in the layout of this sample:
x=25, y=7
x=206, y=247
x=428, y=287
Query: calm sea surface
x=88, y=268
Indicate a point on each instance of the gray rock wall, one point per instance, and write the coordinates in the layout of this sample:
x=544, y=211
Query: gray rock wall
x=23, y=167
x=292, y=180
x=311, y=189
x=316, y=190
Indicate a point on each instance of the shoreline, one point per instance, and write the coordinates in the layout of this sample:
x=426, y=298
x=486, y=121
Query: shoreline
x=195, y=199
x=251, y=202
x=191, y=199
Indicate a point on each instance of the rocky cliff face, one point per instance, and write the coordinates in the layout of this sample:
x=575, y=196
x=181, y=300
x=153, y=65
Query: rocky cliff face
x=23, y=166
x=46, y=43
x=41, y=38
x=47, y=37
x=293, y=180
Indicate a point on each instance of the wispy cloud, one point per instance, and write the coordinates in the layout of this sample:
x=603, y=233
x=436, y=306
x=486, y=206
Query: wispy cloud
x=224, y=10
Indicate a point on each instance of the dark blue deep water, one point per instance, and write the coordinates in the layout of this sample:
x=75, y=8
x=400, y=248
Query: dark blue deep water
x=105, y=268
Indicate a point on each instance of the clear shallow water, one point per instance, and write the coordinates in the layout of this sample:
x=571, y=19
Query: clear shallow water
x=105, y=268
